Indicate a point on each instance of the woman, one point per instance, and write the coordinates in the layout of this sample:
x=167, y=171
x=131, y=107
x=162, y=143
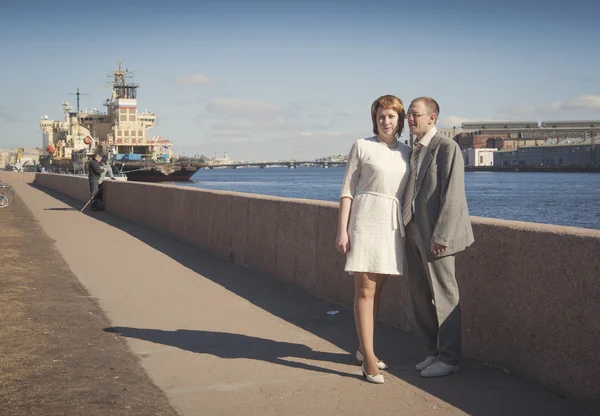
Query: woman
x=370, y=230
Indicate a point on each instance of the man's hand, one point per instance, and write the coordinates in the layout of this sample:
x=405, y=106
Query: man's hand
x=437, y=249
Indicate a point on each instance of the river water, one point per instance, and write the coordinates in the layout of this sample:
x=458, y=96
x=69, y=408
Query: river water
x=571, y=199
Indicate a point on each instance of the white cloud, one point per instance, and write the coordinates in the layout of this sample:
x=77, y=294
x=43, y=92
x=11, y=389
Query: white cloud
x=330, y=134
x=456, y=121
x=231, y=136
x=250, y=117
x=320, y=134
x=235, y=125
x=240, y=107
x=256, y=127
x=582, y=103
x=282, y=128
x=555, y=106
x=195, y=79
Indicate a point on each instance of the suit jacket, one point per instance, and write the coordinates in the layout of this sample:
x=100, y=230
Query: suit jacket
x=440, y=205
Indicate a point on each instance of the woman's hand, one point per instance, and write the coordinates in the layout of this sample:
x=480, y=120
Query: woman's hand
x=342, y=243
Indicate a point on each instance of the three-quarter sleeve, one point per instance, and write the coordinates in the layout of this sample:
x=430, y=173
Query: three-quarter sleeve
x=352, y=173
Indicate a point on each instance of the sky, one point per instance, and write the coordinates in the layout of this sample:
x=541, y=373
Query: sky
x=276, y=80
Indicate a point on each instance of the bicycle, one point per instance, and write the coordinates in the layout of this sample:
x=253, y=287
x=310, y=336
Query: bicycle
x=7, y=195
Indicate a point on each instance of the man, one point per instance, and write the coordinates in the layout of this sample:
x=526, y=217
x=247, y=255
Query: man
x=96, y=173
x=436, y=217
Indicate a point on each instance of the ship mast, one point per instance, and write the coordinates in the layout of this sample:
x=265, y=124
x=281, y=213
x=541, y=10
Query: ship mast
x=78, y=94
x=122, y=82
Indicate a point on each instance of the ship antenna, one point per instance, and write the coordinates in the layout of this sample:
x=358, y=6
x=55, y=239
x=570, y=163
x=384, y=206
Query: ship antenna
x=78, y=94
x=123, y=82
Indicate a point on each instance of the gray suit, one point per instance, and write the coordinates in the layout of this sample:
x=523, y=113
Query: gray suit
x=440, y=216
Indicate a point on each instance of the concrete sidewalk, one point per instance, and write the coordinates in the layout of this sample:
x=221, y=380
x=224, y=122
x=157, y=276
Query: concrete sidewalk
x=55, y=357
x=219, y=339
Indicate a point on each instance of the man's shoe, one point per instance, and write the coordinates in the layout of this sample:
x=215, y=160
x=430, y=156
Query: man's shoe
x=426, y=363
x=439, y=369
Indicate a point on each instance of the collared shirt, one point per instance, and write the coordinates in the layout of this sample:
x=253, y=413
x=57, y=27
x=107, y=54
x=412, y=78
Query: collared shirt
x=425, y=140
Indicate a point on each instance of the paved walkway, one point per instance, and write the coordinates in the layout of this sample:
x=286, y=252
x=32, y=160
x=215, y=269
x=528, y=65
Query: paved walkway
x=55, y=357
x=219, y=339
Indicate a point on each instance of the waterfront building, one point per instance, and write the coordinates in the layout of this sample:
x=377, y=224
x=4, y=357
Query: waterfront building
x=16, y=159
x=336, y=158
x=512, y=135
x=220, y=160
x=554, y=154
x=509, y=135
x=7, y=158
x=450, y=132
x=479, y=157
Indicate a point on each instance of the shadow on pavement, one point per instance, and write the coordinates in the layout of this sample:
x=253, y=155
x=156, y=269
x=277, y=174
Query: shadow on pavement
x=227, y=345
x=476, y=390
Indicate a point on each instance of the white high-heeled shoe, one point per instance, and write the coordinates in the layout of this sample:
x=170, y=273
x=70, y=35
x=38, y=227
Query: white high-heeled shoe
x=376, y=379
x=360, y=359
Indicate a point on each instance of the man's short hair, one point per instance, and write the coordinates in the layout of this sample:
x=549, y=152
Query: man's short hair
x=430, y=104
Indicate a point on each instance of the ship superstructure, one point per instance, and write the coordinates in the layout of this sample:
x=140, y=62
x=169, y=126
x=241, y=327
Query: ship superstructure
x=61, y=138
x=120, y=132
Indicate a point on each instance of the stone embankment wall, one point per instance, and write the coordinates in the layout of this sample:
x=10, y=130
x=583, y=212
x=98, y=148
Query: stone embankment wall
x=8, y=177
x=529, y=292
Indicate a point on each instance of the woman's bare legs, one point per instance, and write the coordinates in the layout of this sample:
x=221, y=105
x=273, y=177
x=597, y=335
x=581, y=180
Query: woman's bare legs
x=382, y=278
x=367, y=287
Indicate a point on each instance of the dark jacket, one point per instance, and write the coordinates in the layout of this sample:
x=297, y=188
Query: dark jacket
x=94, y=169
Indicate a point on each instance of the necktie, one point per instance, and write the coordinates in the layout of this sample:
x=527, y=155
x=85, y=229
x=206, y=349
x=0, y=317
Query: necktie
x=409, y=193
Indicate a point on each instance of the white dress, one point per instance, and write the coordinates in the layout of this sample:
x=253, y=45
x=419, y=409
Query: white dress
x=375, y=179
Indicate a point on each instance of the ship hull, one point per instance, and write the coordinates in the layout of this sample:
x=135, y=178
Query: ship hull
x=158, y=175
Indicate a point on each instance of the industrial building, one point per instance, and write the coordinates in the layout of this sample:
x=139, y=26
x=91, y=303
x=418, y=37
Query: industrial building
x=551, y=154
x=529, y=143
x=510, y=135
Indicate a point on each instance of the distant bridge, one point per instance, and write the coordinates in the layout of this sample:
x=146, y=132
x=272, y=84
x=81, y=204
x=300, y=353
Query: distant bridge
x=292, y=164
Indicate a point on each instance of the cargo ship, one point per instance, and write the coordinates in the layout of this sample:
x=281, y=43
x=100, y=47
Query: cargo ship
x=148, y=171
x=120, y=134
